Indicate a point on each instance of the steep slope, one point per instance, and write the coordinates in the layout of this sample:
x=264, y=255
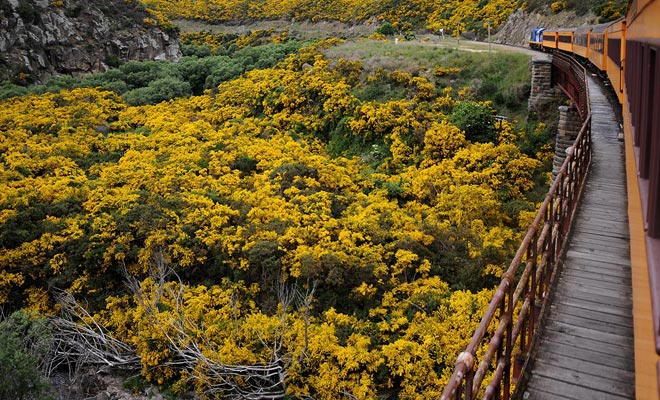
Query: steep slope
x=517, y=27
x=40, y=38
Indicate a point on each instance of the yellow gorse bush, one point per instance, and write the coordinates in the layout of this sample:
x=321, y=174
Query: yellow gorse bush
x=238, y=193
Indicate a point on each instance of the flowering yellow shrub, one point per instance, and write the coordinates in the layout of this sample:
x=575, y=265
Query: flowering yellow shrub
x=237, y=192
x=404, y=16
x=558, y=6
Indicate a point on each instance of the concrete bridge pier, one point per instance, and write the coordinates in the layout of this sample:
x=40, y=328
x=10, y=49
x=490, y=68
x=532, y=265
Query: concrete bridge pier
x=567, y=131
x=543, y=92
x=543, y=97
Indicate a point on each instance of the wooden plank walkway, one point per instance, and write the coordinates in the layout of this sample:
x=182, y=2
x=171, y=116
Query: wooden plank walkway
x=586, y=348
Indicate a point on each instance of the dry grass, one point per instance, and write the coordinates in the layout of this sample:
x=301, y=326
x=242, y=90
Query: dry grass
x=419, y=56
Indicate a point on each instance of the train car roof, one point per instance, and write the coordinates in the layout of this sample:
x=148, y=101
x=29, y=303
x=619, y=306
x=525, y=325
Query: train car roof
x=583, y=29
x=600, y=28
x=561, y=29
x=616, y=22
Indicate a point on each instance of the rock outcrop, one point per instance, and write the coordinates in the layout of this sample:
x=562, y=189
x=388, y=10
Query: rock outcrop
x=41, y=38
x=516, y=30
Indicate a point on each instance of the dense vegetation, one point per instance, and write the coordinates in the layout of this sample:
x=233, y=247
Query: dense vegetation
x=202, y=68
x=607, y=10
x=340, y=224
x=451, y=15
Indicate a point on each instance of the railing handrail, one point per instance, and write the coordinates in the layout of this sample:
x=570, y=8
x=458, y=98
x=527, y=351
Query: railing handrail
x=541, y=252
x=570, y=76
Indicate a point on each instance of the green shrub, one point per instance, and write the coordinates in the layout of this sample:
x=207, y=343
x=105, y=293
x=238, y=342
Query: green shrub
x=113, y=61
x=141, y=74
x=112, y=79
x=476, y=120
x=222, y=71
x=386, y=29
x=58, y=83
x=28, y=11
x=8, y=89
x=23, y=340
x=195, y=71
x=157, y=91
x=190, y=50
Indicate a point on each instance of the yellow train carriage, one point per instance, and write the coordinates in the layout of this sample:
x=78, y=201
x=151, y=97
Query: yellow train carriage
x=616, y=38
x=581, y=41
x=597, y=46
x=641, y=104
x=550, y=37
x=565, y=40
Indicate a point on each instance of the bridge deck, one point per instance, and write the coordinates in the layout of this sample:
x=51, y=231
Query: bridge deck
x=586, y=349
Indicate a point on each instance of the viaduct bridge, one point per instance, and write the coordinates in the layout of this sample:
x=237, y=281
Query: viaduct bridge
x=561, y=325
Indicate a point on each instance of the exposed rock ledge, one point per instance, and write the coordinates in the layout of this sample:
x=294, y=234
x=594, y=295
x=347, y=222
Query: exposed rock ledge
x=41, y=38
x=517, y=28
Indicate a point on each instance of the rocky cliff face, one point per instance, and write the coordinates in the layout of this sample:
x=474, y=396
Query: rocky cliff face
x=518, y=26
x=41, y=38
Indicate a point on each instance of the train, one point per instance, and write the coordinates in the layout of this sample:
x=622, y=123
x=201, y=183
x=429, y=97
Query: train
x=626, y=53
x=602, y=46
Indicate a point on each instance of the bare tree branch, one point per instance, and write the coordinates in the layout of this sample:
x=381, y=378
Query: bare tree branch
x=81, y=340
x=78, y=339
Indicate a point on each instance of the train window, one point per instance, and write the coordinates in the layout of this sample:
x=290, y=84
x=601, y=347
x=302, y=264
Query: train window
x=636, y=98
x=614, y=50
x=646, y=121
x=653, y=213
x=630, y=54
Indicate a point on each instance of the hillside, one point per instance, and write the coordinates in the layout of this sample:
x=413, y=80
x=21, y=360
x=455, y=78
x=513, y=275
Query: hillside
x=407, y=15
x=517, y=28
x=336, y=223
x=270, y=216
x=555, y=14
x=40, y=38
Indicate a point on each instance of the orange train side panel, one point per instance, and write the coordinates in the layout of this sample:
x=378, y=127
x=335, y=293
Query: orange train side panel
x=581, y=41
x=550, y=39
x=598, y=46
x=565, y=40
x=645, y=24
x=641, y=24
x=646, y=379
x=615, y=56
x=596, y=51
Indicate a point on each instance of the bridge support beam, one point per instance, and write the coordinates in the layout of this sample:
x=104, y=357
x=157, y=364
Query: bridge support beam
x=568, y=129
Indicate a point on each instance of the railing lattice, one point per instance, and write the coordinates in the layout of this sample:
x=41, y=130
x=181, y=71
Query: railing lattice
x=519, y=304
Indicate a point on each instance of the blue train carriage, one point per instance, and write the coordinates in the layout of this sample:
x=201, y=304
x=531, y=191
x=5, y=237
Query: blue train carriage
x=536, y=39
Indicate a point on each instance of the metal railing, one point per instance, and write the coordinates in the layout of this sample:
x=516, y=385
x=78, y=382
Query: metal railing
x=525, y=291
x=570, y=76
